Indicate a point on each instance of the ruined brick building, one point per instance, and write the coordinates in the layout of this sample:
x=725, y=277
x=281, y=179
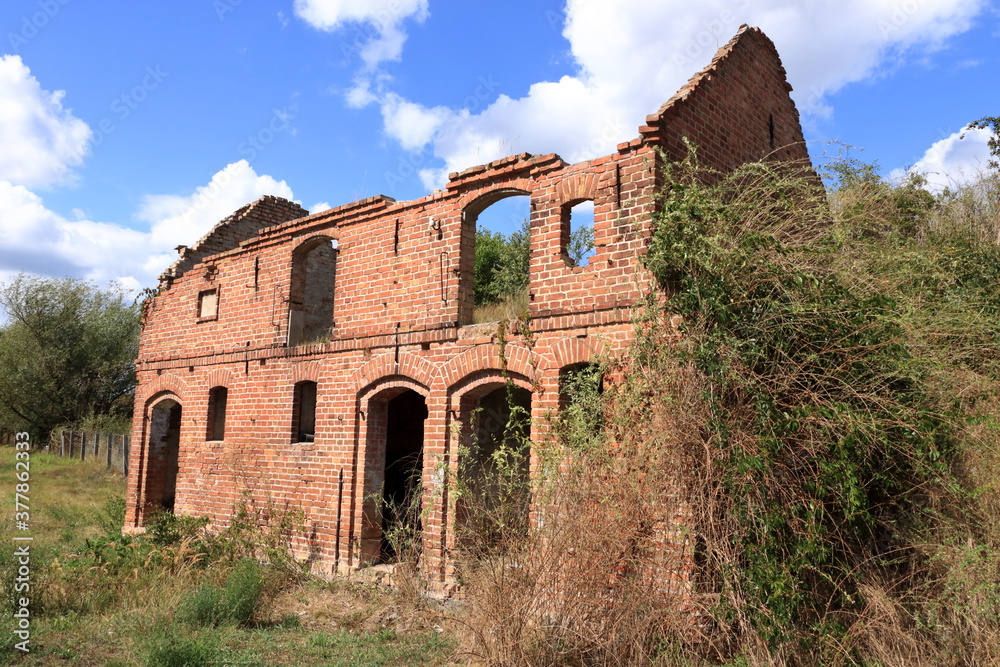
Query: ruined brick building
x=310, y=359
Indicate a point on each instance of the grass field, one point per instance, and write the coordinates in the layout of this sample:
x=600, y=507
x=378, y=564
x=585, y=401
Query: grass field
x=101, y=599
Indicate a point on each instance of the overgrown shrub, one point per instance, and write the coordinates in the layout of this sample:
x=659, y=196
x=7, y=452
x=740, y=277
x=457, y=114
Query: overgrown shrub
x=235, y=603
x=795, y=462
x=112, y=516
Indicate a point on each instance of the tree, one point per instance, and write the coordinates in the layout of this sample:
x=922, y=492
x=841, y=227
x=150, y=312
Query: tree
x=501, y=268
x=581, y=244
x=67, y=353
x=990, y=123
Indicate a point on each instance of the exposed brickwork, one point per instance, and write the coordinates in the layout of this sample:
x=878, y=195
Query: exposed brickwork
x=400, y=285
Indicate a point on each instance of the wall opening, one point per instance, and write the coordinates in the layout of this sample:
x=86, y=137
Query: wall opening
x=218, y=397
x=304, y=412
x=577, y=382
x=208, y=304
x=393, y=473
x=577, y=237
x=404, y=458
x=495, y=495
x=314, y=268
x=581, y=406
x=162, y=464
x=496, y=253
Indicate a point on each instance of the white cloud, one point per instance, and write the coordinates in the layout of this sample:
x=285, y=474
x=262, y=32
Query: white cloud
x=378, y=35
x=631, y=56
x=41, y=141
x=953, y=161
x=37, y=240
x=319, y=207
x=183, y=219
x=412, y=125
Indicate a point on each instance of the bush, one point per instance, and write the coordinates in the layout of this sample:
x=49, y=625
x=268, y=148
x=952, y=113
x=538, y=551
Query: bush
x=172, y=648
x=112, y=516
x=233, y=604
x=796, y=461
x=167, y=528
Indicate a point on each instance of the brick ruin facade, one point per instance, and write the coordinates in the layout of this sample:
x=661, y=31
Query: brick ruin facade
x=304, y=359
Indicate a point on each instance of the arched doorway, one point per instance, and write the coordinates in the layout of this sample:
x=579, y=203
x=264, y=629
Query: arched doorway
x=393, y=474
x=494, y=482
x=162, y=462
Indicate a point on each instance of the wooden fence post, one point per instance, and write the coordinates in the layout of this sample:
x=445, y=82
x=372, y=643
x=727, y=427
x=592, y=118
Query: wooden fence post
x=109, y=451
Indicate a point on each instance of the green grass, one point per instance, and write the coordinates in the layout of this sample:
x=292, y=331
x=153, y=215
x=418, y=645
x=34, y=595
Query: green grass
x=66, y=499
x=102, y=599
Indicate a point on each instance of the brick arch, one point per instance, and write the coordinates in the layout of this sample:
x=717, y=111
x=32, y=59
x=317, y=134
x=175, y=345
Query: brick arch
x=577, y=187
x=569, y=351
x=468, y=384
x=420, y=370
x=220, y=377
x=486, y=358
x=388, y=382
x=163, y=384
x=306, y=370
x=492, y=192
x=306, y=243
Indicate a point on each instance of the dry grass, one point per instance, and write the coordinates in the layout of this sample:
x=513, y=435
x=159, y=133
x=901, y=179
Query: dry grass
x=606, y=575
x=509, y=309
x=648, y=532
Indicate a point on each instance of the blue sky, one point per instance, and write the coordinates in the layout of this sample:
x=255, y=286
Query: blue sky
x=129, y=128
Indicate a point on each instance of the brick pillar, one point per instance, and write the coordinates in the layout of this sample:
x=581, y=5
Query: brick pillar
x=435, y=491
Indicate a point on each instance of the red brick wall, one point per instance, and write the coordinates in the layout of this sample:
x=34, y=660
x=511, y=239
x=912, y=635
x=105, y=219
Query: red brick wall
x=402, y=300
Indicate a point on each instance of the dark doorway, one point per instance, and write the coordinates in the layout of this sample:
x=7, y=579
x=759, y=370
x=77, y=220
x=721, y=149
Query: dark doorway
x=401, y=487
x=164, y=450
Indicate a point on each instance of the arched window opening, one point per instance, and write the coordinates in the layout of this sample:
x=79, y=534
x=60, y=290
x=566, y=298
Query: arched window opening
x=314, y=268
x=304, y=412
x=496, y=239
x=494, y=484
x=578, y=232
x=164, y=453
x=216, y=419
